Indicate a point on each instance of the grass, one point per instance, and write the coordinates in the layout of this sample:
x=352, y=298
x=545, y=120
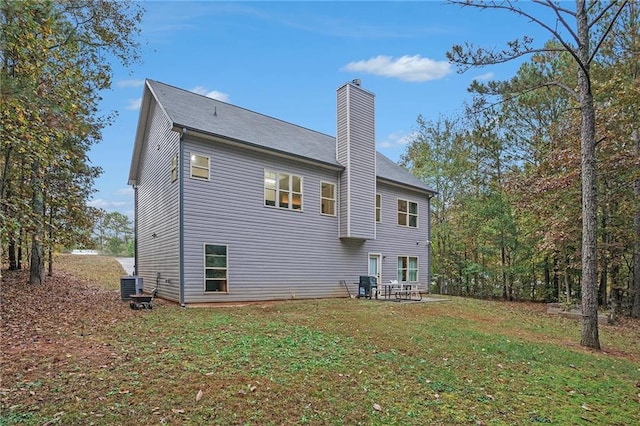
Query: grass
x=102, y=271
x=338, y=362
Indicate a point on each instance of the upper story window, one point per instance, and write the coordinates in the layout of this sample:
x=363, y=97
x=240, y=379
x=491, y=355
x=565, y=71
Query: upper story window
x=378, y=208
x=282, y=190
x=199, y=167
x=328, y=198
x=174, y=168
x=407, y=213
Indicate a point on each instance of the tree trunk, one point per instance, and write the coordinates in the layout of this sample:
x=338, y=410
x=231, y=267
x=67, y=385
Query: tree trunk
x=50, y=244
x=15, y=254
x=602, y=289
x=616, y=302
x=567, y=281
x=36, y=270
x=590, y=336
x=19, y=258
x=548, y=287
x=556, y=276
x=11, y=250
x=635, y=310
x=534, y=282
x=505, y=292
x=615, y=277
x=50, y=262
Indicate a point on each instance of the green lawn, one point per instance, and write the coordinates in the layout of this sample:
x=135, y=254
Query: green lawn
x=335, y=362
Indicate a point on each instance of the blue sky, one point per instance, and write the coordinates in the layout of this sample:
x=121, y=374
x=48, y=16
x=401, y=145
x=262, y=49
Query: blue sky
x=286, y=60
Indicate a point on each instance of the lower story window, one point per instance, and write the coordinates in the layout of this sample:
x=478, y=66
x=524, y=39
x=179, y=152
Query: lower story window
x=215, y=267
x=407, y=269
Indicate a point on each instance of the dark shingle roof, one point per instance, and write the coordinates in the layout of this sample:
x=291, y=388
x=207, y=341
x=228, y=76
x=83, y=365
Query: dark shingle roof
x=213, y=117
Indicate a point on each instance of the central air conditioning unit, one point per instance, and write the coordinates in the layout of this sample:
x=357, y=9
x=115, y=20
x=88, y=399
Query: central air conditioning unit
x=130, y=285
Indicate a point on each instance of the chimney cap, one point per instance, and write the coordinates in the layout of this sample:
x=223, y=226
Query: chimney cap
x=356, y=81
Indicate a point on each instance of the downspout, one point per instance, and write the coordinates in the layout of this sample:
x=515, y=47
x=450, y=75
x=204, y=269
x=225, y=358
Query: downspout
x=429, y=243
x=181, y=215
x=135, y=230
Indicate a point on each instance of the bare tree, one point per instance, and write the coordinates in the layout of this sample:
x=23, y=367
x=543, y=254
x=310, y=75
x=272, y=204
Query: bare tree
x=572, y=29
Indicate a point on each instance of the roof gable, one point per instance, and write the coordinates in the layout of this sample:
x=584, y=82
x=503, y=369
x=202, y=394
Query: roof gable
x=212, y=117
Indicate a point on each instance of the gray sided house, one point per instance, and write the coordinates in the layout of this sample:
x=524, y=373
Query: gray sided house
x=232, y=205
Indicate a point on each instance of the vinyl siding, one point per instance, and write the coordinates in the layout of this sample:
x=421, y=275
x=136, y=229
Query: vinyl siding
x=394, y=240
x=276, y=253
x=342, y=155
x=157, y=206
x=356, y=151
x=272, y=253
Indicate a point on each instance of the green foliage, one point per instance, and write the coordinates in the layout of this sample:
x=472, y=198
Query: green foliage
x=509, y=215
x=131, y=248
x=53, y=66
x=113, y=233
x=580, y=35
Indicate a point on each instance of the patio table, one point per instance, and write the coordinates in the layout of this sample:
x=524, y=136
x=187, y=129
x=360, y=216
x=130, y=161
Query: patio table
x=401, y=290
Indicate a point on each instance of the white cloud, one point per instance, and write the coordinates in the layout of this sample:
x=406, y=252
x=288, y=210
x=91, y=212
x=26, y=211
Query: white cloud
x=213, y=94
x=128, y=191
x=134, y=104
x=124, y=207
x=397, y=139
x=130, y=83
x=101, y=203
x=406, y=68
x=484, y=77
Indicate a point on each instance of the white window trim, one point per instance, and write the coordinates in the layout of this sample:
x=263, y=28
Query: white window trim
x=290, y=191
x=380, y=259
x=417, y=215
x=378, y=208
x=191, y=167
x=204, y=268
x=175, y=166
x=417, y=267
x=334, y=199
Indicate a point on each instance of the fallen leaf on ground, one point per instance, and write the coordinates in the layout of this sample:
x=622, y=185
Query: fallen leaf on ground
x=199, y=396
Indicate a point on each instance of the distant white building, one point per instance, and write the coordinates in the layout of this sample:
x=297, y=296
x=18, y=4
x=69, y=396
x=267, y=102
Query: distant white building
x=81, y=251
